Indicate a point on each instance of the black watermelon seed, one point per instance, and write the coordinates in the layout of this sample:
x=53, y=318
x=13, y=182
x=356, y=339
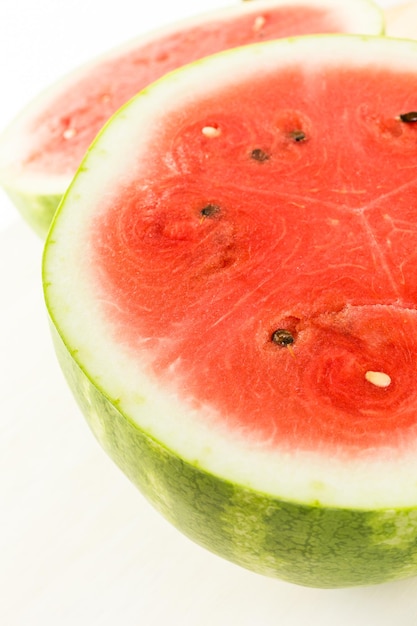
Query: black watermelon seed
x=259, y=155
x=298, y=135
x=282, y=337
x=209, y=210
x=409, y=118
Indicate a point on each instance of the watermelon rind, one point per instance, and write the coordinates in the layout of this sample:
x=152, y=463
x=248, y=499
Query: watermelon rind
x=36, y=194
x=308, y=544
x=36, y=209
x=308, y=518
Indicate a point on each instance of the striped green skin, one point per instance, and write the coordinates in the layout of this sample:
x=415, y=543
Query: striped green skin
x=310, y=545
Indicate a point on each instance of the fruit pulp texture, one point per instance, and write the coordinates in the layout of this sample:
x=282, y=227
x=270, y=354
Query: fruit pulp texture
x=62, y=133
x=285, y=204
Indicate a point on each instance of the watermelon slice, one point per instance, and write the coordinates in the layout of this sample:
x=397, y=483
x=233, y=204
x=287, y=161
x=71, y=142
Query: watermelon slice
x=41, y=150
x=232, y=291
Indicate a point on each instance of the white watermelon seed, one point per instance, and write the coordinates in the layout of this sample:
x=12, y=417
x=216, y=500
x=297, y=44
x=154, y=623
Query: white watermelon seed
x=379, y=379
x=211, y=131
x=259, y=23
x=69, y=133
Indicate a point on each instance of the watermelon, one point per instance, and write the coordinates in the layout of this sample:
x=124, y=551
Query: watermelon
x=41, y=150
x=231, y=286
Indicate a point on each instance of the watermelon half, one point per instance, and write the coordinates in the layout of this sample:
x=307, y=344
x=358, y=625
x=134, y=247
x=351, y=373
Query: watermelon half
x=233, y=298
x=42, y=148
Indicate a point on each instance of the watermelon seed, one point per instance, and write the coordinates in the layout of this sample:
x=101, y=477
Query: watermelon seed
x=282, y=337
x=211, y=131
x=259, y=155
x=69, y=133
x=379, y=379
x=209, y=211
x=298, y=135
x=409, y=117
x=259, y=23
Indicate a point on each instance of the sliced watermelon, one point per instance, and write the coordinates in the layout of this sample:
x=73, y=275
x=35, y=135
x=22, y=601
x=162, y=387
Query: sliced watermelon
x=233, y=297
x=41, y=150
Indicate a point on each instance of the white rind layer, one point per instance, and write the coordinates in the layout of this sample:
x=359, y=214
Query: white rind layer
x=77, y=312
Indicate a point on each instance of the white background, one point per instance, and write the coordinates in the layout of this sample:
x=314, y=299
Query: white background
x=79, y=546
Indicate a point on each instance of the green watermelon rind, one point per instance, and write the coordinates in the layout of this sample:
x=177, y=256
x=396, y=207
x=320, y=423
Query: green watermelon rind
x=311, y=543
x=37, y=197
x=36, y=209
x=306, y=544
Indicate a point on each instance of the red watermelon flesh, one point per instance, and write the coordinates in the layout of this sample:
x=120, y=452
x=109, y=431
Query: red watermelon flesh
x=63, y=129
x=261, y=214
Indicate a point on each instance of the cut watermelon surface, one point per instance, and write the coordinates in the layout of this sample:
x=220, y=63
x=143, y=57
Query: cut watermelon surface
x=42, y=148
x=232, y=291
